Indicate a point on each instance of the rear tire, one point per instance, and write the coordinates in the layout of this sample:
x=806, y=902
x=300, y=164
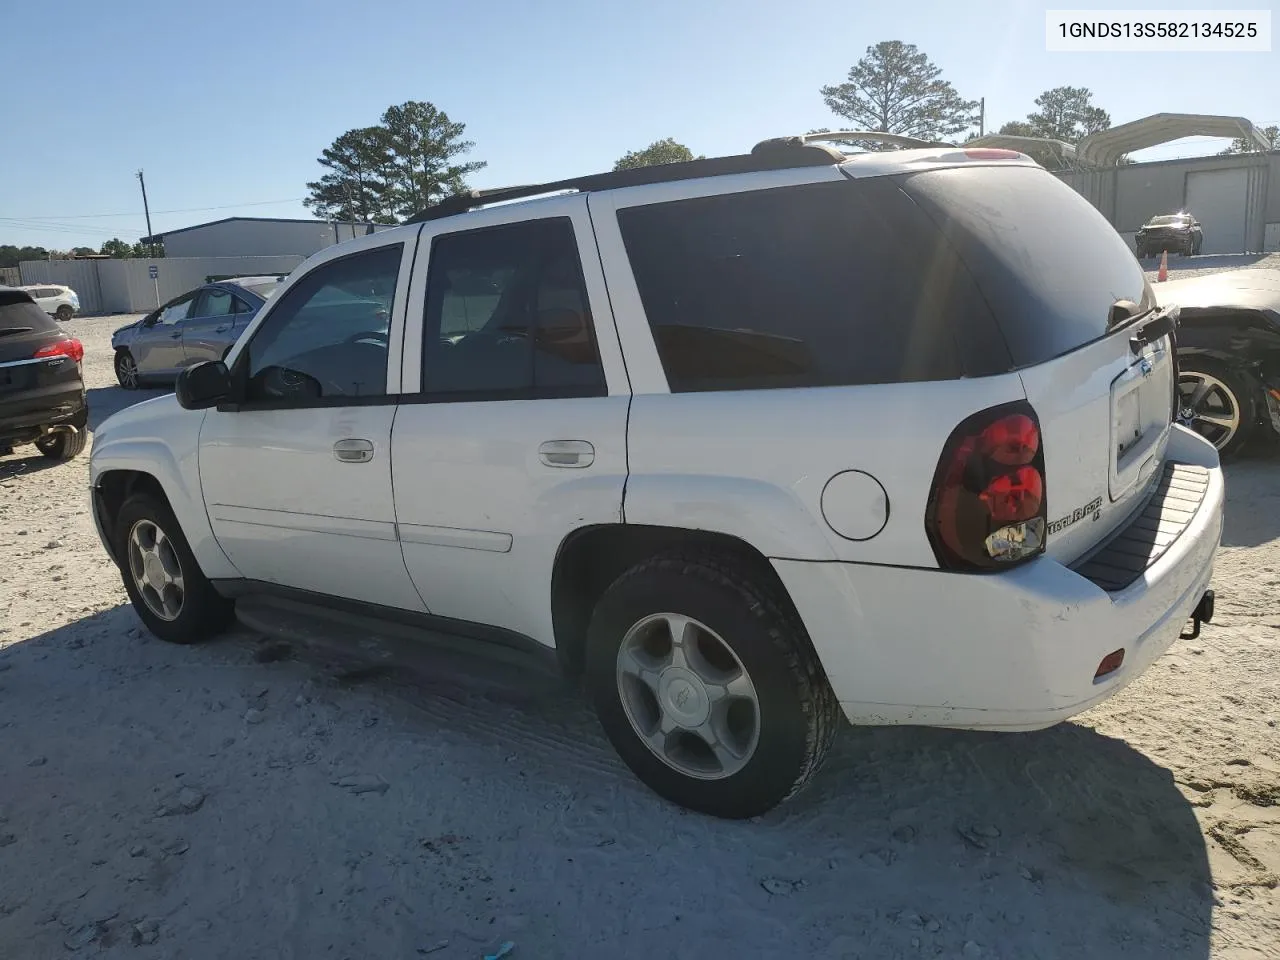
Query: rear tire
x=165, y=584
x=127, y=370
x=63, y=445
x=1230, y=398
x=64, y=313
x=771, y=732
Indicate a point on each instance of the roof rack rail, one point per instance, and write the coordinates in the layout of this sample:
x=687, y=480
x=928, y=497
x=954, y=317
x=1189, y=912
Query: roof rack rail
x=781, y=154
x=874, y=136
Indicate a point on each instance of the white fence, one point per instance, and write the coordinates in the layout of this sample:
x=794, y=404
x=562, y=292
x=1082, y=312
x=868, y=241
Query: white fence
x=125, y=286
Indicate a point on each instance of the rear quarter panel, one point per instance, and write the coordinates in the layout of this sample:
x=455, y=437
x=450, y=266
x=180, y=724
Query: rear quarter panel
x=754, y=463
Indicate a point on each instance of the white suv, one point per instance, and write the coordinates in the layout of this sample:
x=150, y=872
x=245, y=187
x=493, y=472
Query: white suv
x=750, y=442
x=54, y=299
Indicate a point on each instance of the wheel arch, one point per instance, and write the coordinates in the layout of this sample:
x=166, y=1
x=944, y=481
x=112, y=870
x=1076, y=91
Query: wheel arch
x=122, y=468
x=591, y=558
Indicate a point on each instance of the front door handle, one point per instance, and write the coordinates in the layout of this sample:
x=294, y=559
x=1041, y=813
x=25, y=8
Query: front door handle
x=567, y=453
x=353, y=451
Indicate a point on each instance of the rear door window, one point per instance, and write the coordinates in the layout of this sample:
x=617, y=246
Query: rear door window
x=1049, y=264
x=215, y=302
x=826, y=284
x=507, y=316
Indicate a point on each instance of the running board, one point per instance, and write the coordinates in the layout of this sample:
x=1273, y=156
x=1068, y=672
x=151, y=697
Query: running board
x=390, y=639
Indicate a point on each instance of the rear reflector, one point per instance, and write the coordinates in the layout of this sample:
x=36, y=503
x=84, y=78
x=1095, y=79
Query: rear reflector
x=1110, y=664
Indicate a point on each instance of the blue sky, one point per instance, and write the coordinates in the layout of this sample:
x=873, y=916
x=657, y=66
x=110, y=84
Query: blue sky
x=226, y=105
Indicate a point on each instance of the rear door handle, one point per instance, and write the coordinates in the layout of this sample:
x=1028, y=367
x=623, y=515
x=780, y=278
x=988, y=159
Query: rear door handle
x=567, y=453
x=353, y=451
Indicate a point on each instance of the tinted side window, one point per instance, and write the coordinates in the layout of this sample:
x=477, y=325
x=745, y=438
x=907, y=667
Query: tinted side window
x=241, y=307
x=507, y=315
x=818, y=285
x=328, y=336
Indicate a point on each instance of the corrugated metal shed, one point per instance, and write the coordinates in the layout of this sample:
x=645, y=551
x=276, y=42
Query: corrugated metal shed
x=1105, y=148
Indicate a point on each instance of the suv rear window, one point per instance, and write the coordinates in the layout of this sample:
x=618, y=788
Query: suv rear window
x=825, y=284
x=19, y=314
x=1049, y=264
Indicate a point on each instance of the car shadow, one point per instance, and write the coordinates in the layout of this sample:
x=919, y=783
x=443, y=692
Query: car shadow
x=1252, y=514
x=106, y=401
x=23, y=462
x=409, y=806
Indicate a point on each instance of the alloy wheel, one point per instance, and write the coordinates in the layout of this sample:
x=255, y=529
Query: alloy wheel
x=156, y=570
x=127, y=370
x=1208, y=406
x=688, y=696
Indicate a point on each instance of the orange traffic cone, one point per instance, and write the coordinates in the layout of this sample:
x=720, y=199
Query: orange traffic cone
x=1163, y=274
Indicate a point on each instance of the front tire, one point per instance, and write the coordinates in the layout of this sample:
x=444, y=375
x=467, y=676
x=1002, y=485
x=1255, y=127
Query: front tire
x=127, y=370
x=63, y=445
x=707, y=686
x=1217, y=401
x=165, y=584
x=64, y=313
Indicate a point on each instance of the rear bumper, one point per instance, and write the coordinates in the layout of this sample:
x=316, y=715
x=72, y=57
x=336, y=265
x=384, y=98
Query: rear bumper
x=1012, y=651
x=24, y=417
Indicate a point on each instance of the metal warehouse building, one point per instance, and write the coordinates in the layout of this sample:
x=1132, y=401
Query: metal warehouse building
x=1235, y=197
x=258, y=237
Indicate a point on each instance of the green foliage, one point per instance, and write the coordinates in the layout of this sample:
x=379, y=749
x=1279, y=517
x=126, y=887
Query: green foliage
x=389, y=171
x=1018, y=128
x=115, y=247
x=896, y=89
x=660, y=151
x=11, y=256
x=1067, y=114
x=1241, y=145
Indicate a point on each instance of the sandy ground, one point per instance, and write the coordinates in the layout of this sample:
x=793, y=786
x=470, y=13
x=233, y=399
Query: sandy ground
x=245, y=801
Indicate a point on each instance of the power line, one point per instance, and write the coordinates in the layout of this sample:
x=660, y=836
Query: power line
x=134, y=213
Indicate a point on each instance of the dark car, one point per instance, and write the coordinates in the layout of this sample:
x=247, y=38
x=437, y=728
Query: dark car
x=202, y=324
x=1228, y=354
x=1179, y=232
x=42, y=399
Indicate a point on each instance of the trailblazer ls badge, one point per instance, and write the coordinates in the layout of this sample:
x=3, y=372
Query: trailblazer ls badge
x=1094, y=507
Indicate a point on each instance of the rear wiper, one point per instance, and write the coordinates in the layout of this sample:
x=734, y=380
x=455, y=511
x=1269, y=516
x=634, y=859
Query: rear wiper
x=1161, y=325
x=5, y=331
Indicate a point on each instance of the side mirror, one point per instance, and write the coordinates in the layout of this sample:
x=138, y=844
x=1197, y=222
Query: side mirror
x=204, y=385
x=150, y=319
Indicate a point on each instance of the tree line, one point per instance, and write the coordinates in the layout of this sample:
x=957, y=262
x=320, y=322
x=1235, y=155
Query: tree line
x=11, y=256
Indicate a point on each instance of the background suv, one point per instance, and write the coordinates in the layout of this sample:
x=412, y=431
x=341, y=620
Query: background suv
x=55, y=299
x=202, y=324
x=1179, y=232
x=747, y=443
x=42, y=399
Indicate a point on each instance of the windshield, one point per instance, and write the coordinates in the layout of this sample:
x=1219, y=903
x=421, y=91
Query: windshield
x=1045, y=303
x=1168, y=221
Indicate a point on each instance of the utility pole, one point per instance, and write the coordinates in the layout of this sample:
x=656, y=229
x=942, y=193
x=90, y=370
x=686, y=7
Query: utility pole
x=982, y=122
x=147, y=210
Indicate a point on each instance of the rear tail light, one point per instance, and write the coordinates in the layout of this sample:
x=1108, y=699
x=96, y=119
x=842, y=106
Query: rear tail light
x=70, y=347
x=987, y=507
